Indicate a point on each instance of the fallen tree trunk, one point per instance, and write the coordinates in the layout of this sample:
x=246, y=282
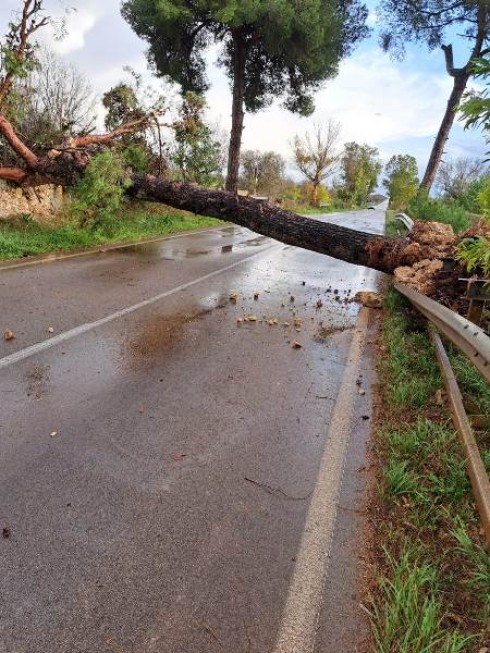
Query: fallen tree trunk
x=263, y=218
x=360, y=248
x=66, y=164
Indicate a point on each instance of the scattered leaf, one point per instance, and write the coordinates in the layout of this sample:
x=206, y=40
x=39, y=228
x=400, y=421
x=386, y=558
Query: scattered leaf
x=177, y=457
x=50, y=330
x=291, y=299
x=9, y=335
x=256, y=296
x=6, y=532
x=240, y=320
x=250, y=318
x=296, y=345
x=319, y=303
x=233, y=297
x=53, y=434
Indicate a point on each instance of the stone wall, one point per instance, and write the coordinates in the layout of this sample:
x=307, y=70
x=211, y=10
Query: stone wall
x=42, y=202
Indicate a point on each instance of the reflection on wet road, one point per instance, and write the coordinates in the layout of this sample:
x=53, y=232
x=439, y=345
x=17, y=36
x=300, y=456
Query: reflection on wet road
x=157, y=464
x=171, y=252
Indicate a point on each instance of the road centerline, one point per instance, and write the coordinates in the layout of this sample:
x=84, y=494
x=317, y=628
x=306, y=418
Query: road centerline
x=39, y=347
x=300, y=615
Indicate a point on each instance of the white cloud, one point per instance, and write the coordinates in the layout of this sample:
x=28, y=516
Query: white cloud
x=373, y=98
x=394, y=106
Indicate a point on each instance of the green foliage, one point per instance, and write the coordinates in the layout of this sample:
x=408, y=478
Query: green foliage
x=99, y=195
x=475, y=254
x=122, y=106
x=136, y=157
x=198, y=152
x=422, y=207
x=360, y=167
x=289, y=47
x=262, y=173
x=401, y=180
x=278, y=48
x=19, y=238
x=427, y=21
x=475, y=107
x=483, y=197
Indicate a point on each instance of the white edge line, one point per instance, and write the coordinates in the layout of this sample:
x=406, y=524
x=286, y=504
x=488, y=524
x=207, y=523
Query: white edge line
x=299, y=622
x=21, y=355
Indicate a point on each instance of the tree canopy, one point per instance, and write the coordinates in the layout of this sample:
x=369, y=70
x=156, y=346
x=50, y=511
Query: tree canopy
x=360, y=165
x=401, y=180
x=279, y=48
x=432, y=22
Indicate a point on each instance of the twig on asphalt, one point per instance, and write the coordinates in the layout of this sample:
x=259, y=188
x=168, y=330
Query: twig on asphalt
x=277, y=491
x=209, y=630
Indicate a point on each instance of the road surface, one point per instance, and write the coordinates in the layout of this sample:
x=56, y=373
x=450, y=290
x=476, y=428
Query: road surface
x=170, y=466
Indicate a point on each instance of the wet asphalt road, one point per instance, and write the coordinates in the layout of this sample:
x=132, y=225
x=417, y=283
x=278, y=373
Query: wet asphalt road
x=158, y=457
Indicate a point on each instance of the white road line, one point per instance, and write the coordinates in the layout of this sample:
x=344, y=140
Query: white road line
x=101, y=249
x=89, y=326
x=300, y=616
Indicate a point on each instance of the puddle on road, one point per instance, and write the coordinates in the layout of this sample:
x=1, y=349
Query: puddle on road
x=165, y=251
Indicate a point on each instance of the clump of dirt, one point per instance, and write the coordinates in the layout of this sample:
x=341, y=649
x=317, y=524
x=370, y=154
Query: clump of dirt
x=368, y=299
x=323, y=333
x=427, y=241
x=37, y=381
x=421, y=276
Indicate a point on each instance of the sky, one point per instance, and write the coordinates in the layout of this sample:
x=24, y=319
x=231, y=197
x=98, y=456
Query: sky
x=395, y=106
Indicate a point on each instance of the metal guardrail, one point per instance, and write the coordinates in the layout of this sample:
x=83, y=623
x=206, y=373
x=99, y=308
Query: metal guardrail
x=474, y=463
x=472, y=341
x=407, y=220
x=468, y=337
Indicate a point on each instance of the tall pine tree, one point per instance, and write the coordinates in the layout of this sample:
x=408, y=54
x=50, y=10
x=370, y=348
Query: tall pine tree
x=278, y=48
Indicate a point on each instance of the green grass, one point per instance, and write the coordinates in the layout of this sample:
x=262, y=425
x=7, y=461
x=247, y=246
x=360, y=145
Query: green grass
x=438, y=210
x=411, y=622
x=25, y=237
x=433, y=569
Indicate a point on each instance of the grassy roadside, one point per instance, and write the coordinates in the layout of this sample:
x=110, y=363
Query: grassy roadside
x=23, y=236
x=433, y=574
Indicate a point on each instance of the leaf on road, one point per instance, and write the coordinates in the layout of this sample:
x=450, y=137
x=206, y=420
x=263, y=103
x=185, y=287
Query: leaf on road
x=6, y=532
x=9, y=335
x=319, y=303
x=250, y=318
x=50, y=330
x=296, y=345
x=177, y=457
x=233, y=297
x=53, y=434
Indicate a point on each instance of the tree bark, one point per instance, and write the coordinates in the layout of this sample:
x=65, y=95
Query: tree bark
x=359, y=248
x=460, y=81
x=237, y=113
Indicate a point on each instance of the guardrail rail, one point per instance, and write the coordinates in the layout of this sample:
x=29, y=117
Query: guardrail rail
x=472, y=341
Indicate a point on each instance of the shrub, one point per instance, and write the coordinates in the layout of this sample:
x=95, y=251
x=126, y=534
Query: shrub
x=99, y=195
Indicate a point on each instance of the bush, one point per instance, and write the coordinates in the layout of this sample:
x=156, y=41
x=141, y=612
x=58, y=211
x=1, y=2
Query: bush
x=437, y=210
x=99, y=195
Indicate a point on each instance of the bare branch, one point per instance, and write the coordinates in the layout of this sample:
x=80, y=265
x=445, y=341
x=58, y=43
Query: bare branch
x=8, y=132
x=19, y=38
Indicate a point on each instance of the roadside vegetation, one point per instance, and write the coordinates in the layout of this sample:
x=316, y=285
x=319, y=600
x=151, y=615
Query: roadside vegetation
x=22, y=236
x=432, y=591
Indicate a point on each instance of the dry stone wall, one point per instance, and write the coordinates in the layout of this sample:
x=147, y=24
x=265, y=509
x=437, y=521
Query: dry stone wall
x=42, y=202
